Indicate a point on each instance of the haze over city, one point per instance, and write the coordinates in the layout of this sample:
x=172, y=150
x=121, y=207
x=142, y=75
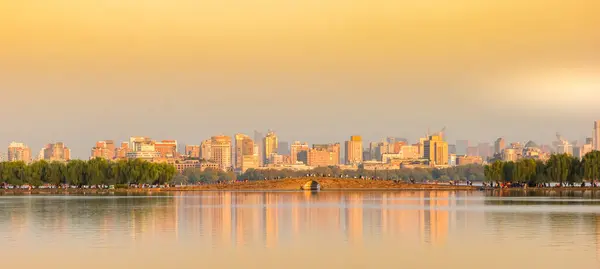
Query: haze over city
x=83, y=71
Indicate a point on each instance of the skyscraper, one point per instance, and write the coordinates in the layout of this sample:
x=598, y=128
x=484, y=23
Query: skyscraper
x=436, y=150
x=221, y=151
x=239, y=150
x=298, y=152
x=104, y=149
x=353, y=150
x=55, y=152
x=499, y=145
x=258, y=140
x=192, y=151
x=596, y=138
x=461, y=147
x=244, y=152
x=18, y=152
x=270, y=144
x=206, y=149
x=283, y=148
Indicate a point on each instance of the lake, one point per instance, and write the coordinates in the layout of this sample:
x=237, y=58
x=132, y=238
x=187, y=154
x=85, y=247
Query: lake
x=328, y=229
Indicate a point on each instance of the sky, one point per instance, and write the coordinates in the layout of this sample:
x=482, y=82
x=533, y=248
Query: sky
x=312, y=70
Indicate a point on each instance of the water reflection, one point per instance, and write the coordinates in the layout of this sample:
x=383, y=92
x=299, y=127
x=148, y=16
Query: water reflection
x=412, y=224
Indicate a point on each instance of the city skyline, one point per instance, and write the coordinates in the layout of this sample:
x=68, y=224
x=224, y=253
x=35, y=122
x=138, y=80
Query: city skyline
x=84, y=153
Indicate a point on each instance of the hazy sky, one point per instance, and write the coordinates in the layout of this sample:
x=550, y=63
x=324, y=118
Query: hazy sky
x=80, y=70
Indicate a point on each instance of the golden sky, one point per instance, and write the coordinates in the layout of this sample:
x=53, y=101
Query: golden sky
x=277, y=55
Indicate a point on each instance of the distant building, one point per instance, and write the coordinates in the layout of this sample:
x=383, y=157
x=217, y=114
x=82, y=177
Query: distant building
x=121, y=152
x=221, y=151
x=299, y=152
x=466, y=160
x=56, y=152
x=244, y=145
x=472, y=151
x=499, y=145
x=202, y=165
x=324, y=155
x=276, y=159
x=510, y=155
x=206, y=149
x=485, y=150
x=192, y=151
x=353, y=150
x=104, y=149
x=461, y=147
x=436, y=150
x=258, y=141
x=452, y=148
x=270, y=143
x=167, y=149
x=581, y=151
x=283, y=148
x=452, y=159
x=18, y=152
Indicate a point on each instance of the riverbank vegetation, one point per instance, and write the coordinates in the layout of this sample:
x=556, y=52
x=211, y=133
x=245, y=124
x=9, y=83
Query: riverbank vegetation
x=92, y=172
x=458, y=173
x=562, y=169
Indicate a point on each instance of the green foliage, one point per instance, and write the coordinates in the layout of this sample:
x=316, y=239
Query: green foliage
x=92, y=172
x=472, y=172
x=559, y=168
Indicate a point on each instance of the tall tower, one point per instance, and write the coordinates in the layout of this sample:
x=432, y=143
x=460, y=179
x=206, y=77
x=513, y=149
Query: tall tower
x=221, y=151
x=436, y=150
x=270, y=144
x=499, y=145
x=354, y=150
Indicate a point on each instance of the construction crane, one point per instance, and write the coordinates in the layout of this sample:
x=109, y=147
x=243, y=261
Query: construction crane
x=561, y=139
x=439, y=133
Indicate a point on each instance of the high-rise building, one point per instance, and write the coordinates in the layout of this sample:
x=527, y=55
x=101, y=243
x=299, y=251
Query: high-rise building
x=121, y=152
x=589, y=140
x=258, y=140
x=18, y=152
x=238, y=150
x=137, y=142
x=221, y=151
x=192, y=151
x=104, y=149
x=324, y=155
x=485, y=150
x=298, y=152
x=167, y=148
x=461, y=147
x=244, y=146
x=56, y=152
x=452, y=149
x=473, y=151
x=596, y=137
x=283, y=148
x=353, y=150
x=499, y=145
x=270, y=144
x=205, y=150
x=436, y=150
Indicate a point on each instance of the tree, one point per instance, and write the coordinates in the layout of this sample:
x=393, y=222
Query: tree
x=558, y=167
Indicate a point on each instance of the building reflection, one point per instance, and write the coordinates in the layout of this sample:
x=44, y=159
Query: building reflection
x=243, y=219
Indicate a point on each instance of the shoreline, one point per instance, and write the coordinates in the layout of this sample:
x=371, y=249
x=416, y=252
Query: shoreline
x=294, y=184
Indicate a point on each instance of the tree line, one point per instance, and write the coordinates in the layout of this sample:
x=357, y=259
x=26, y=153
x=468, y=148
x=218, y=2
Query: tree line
x=559, y=168
x=458, y=173
x=93, y=172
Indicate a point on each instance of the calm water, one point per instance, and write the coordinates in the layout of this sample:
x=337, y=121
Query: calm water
x=420, y=229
